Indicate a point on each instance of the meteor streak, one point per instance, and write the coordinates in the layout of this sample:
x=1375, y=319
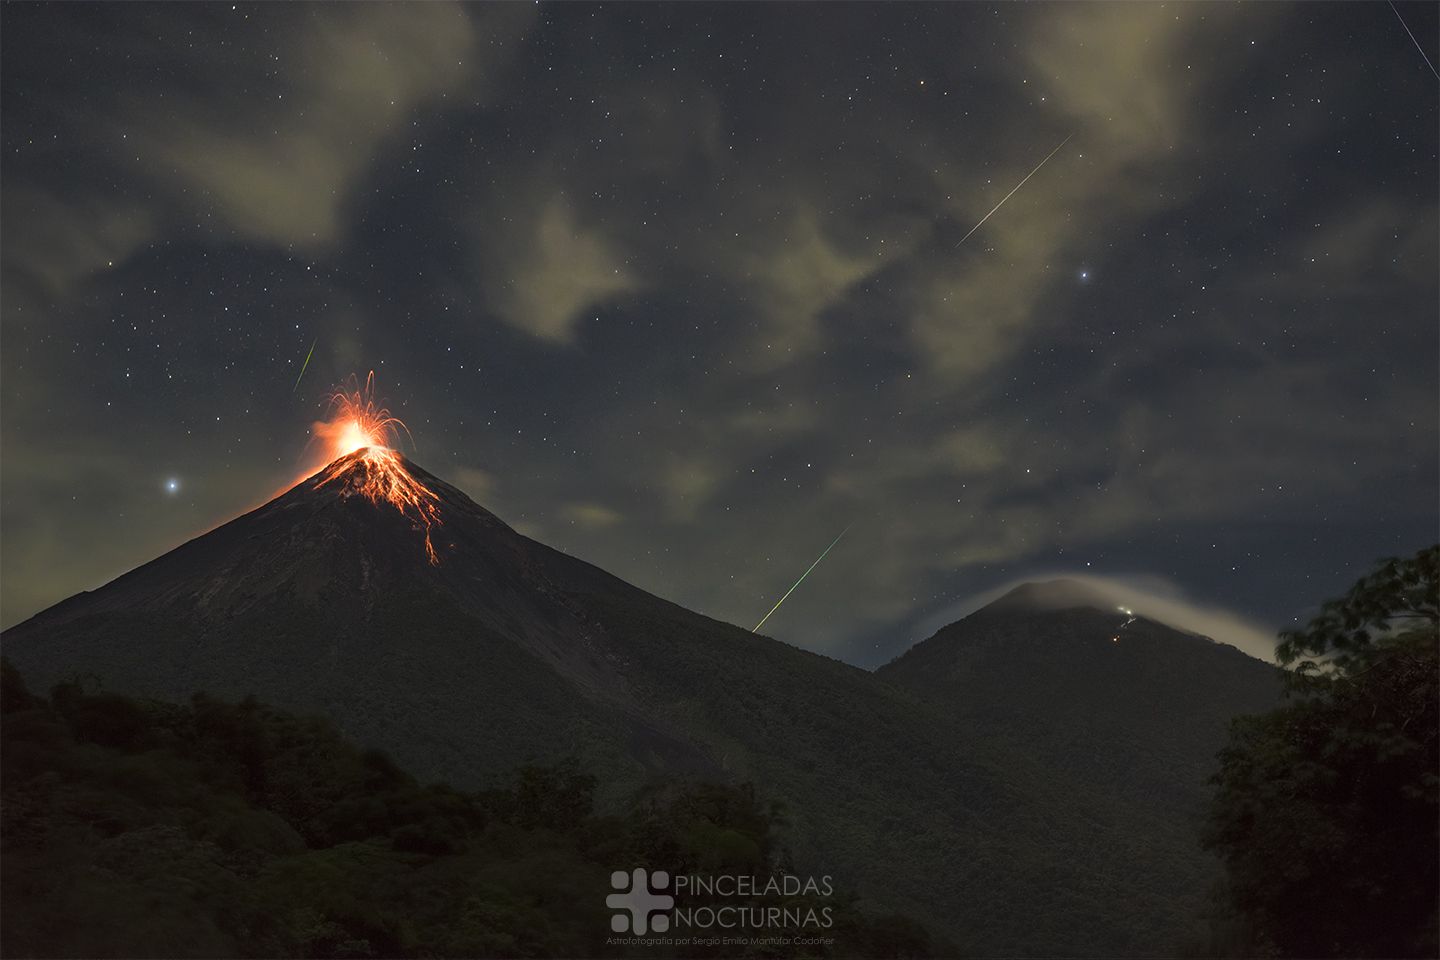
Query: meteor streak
x=1414, y=41
x=306, y=364
x=1017, y=187
x=800, y=581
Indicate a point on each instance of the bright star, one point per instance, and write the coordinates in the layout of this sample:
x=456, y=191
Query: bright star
x=172, y=485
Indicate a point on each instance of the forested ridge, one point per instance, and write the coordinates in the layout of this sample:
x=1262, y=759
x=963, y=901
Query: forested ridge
x=137, y=827
x=144, y=828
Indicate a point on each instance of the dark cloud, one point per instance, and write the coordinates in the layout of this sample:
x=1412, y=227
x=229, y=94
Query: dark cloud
x=677, y=288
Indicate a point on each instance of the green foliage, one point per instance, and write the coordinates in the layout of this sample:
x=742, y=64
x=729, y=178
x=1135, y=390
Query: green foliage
x=1326, y=809
x=1398, y=598
x=140, y=828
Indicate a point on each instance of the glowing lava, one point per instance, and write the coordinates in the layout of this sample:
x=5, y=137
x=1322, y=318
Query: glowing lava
x=357, y=421
x=359, y=426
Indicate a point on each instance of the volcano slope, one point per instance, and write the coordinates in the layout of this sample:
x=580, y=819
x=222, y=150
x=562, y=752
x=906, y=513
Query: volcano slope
x=504, y=651
x=1117, y=701
x=1117, y=705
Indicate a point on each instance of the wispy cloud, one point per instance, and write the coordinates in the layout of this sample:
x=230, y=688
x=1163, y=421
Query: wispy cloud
x=550, y=269
x=1148, y=596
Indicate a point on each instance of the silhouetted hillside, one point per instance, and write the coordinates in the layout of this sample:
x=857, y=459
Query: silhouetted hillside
x=505, y=653
x=1118, y=705
x=1115, y=700
x=148, y=829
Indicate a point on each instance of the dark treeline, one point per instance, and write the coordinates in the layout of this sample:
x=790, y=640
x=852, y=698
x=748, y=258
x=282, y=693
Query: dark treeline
x=133, y=828
x=1326, y=812
x=140, y=828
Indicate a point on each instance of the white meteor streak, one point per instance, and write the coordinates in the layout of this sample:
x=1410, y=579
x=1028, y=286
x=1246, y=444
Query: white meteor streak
x=1414, y=41
x=800, y=581
x=1017, y=187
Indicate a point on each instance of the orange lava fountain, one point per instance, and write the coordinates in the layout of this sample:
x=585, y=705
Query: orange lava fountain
x=358, y=425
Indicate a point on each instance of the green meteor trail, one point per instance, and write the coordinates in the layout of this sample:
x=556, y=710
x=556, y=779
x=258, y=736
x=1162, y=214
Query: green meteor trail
x=801, y=580
x=306, y=364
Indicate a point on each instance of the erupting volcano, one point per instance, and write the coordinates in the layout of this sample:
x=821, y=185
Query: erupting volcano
x=1024, y=716
x=361, y=461
x=357, y=421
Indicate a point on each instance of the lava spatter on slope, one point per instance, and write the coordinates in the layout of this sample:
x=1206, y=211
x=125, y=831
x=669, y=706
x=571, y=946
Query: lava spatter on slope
x=379, y=474
x=357, y=436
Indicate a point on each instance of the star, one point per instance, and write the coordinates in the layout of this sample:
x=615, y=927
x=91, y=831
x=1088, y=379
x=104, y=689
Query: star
x=172, y=486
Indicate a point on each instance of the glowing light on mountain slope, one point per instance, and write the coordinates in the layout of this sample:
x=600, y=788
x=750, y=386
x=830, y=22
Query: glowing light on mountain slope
x=361, y=461
x=1129, y=613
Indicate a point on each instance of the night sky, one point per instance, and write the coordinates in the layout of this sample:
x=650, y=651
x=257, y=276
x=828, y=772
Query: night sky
x=680, y=289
